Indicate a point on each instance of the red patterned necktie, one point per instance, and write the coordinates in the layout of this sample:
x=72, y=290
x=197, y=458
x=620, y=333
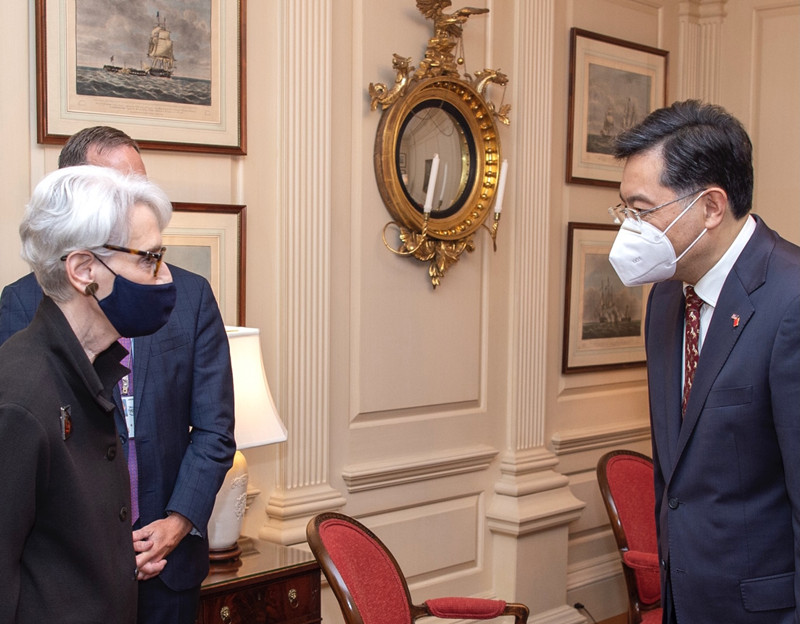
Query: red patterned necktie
x=692, y=348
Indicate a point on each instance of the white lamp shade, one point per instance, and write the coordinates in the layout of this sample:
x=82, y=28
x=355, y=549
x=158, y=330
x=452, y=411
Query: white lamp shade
x=257, y=420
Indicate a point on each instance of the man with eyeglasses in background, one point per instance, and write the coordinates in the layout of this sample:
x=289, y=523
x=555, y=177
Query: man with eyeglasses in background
x=174, y=413
x=722, y=334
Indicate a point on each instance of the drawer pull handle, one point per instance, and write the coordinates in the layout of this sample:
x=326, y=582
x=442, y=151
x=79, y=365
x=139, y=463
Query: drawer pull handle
x=225, y=615
x=293, y=598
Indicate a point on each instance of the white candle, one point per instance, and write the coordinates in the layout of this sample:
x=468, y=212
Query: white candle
x=444, y=182
x=431, y=184
x=501, y=187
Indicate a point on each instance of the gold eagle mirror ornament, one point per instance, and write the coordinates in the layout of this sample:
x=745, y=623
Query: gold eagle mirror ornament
x=437, y=150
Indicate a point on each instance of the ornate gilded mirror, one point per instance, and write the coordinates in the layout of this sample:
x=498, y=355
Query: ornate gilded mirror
x=437, y=150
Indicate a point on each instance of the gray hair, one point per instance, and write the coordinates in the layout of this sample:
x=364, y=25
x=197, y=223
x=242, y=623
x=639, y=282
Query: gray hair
x=82, y=207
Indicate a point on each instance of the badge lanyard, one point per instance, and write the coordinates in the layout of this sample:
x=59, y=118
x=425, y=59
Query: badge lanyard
x=126, y=395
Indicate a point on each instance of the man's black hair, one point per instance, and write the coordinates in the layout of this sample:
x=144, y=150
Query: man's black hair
x=103, y=138
x=702, y=145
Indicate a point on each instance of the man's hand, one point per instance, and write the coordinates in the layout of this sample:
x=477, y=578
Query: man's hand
x=155, y=541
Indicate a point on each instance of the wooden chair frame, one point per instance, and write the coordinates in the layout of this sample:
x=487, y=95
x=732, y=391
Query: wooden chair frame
x=343, y=595
x=636, y=608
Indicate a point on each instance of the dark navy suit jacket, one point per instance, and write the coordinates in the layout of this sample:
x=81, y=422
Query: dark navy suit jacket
x=184, y=412
x=728, y=476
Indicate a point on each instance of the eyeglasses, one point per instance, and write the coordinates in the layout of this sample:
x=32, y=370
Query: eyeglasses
x=621, y=211
x=152, y=258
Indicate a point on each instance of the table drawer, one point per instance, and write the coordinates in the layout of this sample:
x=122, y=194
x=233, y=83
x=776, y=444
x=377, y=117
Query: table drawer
x=289, y=600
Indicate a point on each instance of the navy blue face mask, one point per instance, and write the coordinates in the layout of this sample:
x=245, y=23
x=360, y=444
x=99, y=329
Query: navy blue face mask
x=137, y=309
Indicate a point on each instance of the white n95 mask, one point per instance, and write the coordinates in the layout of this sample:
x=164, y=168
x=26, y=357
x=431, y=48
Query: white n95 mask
x=642, y=254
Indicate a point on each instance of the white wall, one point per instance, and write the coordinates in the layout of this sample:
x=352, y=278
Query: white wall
x=440, y=418
x=760, y=83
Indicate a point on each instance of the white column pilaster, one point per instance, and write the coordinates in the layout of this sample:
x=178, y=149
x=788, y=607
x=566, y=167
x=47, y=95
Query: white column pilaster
x=698, y=55
x=532, y=504
x=305, y=150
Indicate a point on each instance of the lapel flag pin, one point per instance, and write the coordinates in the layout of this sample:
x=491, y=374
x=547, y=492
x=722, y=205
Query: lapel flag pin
x=735, y=319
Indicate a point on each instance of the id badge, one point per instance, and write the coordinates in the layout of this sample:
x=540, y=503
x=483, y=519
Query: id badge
x=127, y=408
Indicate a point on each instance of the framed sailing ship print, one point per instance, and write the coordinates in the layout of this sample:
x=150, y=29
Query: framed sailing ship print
x=603, y=319
x=171, y=76
x=613, y=85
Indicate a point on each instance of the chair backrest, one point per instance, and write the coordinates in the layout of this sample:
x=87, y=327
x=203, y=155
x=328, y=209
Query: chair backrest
x=626, y=483
x=363, y=574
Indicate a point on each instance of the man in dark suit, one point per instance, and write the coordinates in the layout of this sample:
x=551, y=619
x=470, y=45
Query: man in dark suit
x=183, y=397
x=725, y=383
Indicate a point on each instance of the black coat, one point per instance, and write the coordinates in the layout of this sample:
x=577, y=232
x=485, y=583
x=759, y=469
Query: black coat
x=184, y=412
x=66, y=552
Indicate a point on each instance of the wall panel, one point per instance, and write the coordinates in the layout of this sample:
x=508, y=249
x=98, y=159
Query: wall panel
x=775, y=123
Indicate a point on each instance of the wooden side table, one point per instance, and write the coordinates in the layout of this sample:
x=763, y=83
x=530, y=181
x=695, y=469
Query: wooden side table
x=272, y=584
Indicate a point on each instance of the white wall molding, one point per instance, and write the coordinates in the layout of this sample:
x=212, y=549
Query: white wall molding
x=599, y=584
x=398, y=471
x=594, y=571
x=422, y=537
x=590, y=438
x=289, y=509
x=518, y=517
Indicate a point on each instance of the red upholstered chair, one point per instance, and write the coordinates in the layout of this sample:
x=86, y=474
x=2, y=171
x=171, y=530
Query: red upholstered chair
x=370, y=586
x=626, y=483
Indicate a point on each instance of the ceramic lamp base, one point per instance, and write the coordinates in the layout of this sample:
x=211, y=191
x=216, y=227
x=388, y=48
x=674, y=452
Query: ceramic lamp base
x=225, y=524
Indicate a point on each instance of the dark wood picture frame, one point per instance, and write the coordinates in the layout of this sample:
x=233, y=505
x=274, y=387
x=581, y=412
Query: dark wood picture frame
x=603, y=319
x=213, y=123
x=613, y=84
x=207, y=239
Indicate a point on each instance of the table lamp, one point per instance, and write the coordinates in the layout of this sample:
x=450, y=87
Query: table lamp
x=257, y=424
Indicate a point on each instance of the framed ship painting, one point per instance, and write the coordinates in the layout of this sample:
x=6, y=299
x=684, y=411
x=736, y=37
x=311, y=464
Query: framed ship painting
x=169, y=73
x=209, y=239
x=603, y=319
x=613, y=85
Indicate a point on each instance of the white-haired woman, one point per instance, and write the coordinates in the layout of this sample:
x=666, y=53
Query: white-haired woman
x=93, y=239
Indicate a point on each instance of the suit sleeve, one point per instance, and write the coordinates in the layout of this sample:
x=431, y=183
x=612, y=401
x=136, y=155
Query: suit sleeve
x=210, y=452
x=784, y=381
x=14, y=315
x=658, y=477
